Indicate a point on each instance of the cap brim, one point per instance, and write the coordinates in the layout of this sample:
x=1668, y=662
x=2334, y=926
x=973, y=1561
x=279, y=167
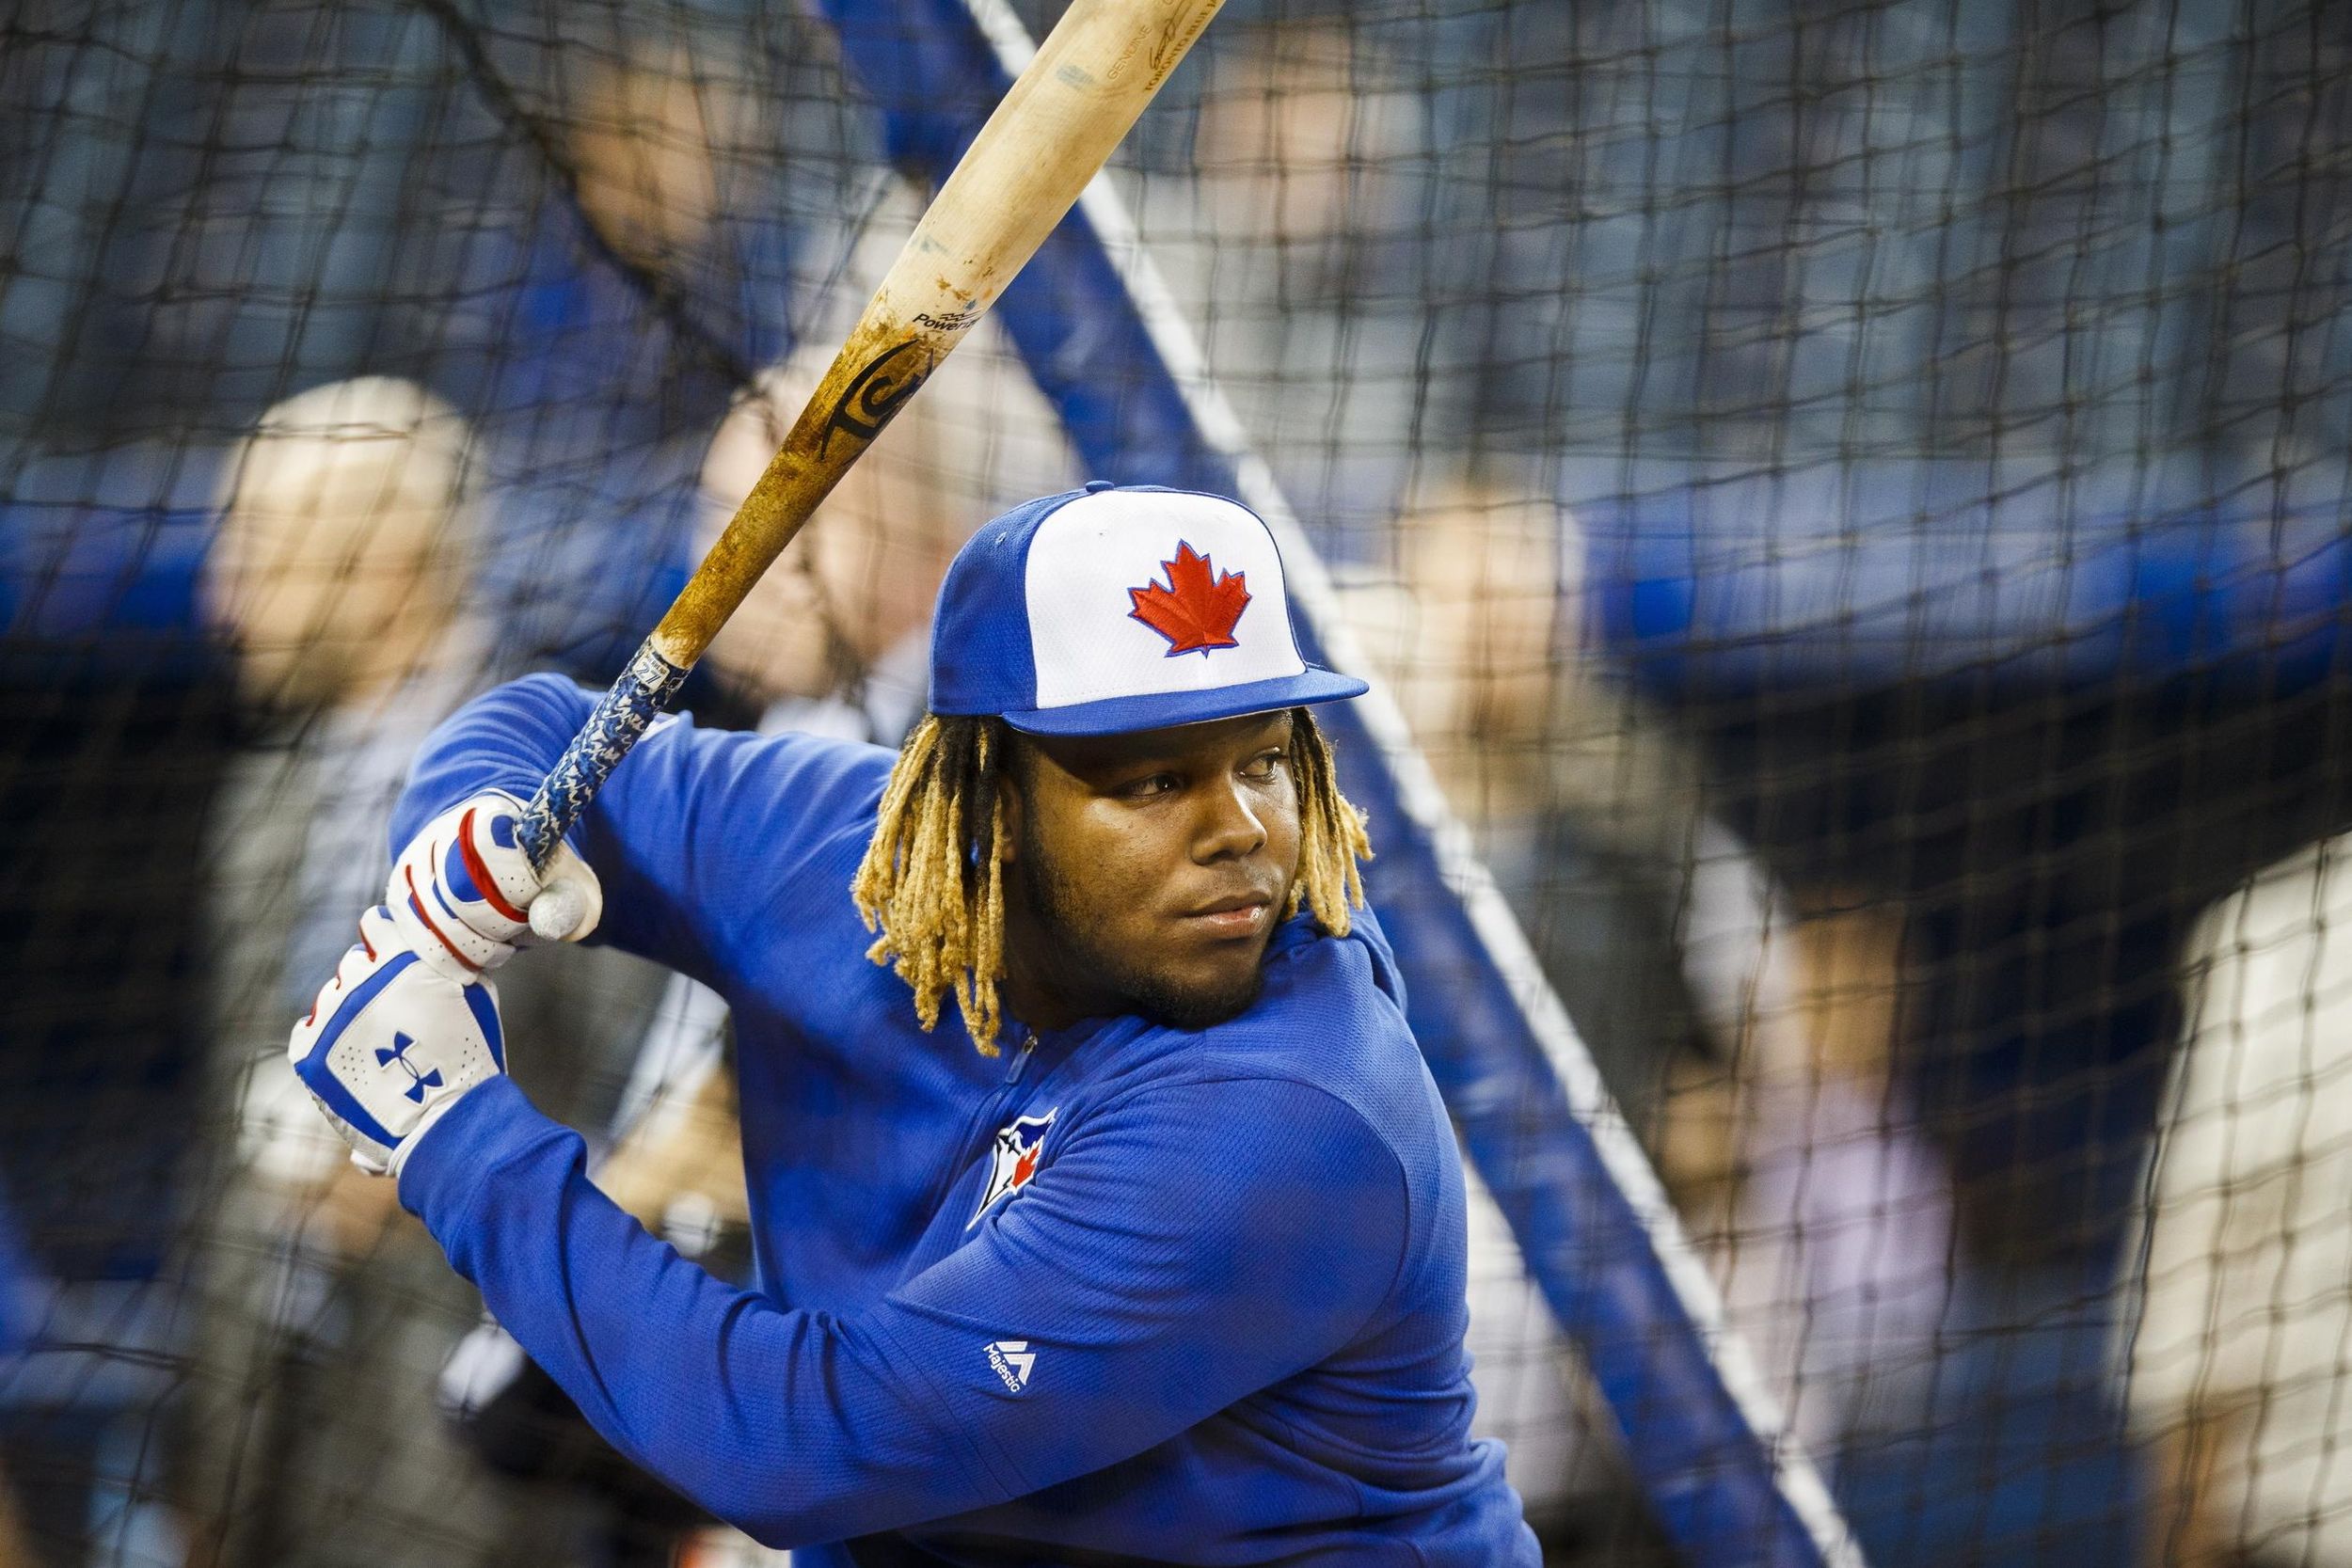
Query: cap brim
x=1164, y=710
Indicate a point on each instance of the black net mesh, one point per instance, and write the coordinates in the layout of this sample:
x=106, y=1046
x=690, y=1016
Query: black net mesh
x=1850, y=497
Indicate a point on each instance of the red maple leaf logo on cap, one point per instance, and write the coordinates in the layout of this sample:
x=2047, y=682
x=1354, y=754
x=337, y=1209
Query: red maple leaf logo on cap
x=1195, y=611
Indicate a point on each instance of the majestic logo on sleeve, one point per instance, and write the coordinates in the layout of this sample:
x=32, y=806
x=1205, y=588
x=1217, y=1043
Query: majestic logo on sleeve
x=1199, y=607
x=1011, y=1361
x=1014, y=1160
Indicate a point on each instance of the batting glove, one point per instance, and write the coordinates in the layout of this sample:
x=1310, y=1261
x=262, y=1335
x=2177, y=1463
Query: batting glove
x=391, y=1044
x=464, y=893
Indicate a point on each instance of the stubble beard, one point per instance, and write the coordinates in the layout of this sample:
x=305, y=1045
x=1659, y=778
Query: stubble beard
x=1078, y=951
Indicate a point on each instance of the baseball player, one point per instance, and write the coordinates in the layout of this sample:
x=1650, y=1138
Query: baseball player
x=1150, y=1249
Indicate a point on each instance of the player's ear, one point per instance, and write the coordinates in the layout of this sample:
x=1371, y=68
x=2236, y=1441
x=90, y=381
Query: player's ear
x=1011, y=795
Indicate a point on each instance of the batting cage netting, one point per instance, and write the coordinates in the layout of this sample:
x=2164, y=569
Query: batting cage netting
x=1844, y=505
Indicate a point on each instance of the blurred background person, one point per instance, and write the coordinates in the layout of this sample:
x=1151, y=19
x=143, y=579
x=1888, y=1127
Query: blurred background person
x=2240, y=1360
x=1746, y=1040
x=345, y=574
x=835, y=639
x=596, y=300
x=339, y=576
x=1834, y=1236
x=1291, y=245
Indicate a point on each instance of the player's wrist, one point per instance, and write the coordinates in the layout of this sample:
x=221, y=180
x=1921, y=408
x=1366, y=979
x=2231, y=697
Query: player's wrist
x=432, y=1116
x=443, y=1178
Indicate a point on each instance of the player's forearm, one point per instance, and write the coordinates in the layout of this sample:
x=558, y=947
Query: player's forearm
x=504, y=739
x=790, y=1425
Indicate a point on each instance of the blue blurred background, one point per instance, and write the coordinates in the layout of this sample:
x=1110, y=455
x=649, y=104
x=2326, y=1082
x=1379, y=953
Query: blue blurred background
x=1934, y=412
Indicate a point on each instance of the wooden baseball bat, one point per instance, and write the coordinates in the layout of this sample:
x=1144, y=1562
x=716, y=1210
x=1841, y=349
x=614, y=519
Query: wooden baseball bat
x=1093, y=76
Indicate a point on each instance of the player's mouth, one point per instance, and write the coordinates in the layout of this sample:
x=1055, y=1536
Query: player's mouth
x=1243, y=914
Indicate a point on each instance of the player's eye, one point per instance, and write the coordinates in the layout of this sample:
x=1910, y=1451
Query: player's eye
x=1151, y=784
x=1266, y=764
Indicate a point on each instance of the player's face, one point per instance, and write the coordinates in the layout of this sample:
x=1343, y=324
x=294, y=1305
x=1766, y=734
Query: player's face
x=1149, y=870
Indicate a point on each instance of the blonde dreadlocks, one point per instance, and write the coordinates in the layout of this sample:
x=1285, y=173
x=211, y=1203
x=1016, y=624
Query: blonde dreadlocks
x=933, y=881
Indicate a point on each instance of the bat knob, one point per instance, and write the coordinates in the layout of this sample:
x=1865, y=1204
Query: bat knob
x=556, y=913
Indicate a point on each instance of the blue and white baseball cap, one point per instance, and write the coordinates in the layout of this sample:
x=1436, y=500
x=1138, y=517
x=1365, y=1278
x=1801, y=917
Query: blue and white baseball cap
x=1116, y=608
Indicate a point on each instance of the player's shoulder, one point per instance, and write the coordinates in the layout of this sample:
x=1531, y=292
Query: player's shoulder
x=1332, y=1020
x=1334, y=1006
x=817, y=775
x=809, y=779
x=763, y=804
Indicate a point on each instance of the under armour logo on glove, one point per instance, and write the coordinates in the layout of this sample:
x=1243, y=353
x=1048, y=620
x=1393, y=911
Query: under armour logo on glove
x=398, y=1051
x=392, y=1043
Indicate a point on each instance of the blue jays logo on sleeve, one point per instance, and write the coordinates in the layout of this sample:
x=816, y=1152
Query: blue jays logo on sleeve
x=1014, y=1160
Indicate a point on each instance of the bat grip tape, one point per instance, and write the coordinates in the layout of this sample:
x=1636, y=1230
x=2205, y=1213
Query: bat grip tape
x=620, y=721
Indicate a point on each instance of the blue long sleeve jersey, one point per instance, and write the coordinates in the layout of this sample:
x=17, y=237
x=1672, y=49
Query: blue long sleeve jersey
x=1128, y=1294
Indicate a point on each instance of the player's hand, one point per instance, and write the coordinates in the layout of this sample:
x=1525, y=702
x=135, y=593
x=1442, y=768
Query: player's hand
x=464, y=893
x=391, y=1044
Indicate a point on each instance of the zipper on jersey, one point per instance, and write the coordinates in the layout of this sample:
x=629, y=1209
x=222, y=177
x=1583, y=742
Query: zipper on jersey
x=990, y=1109
x=1020, y=1058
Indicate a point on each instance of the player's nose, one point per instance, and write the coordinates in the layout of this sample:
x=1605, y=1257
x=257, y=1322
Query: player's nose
x=1228, y=827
